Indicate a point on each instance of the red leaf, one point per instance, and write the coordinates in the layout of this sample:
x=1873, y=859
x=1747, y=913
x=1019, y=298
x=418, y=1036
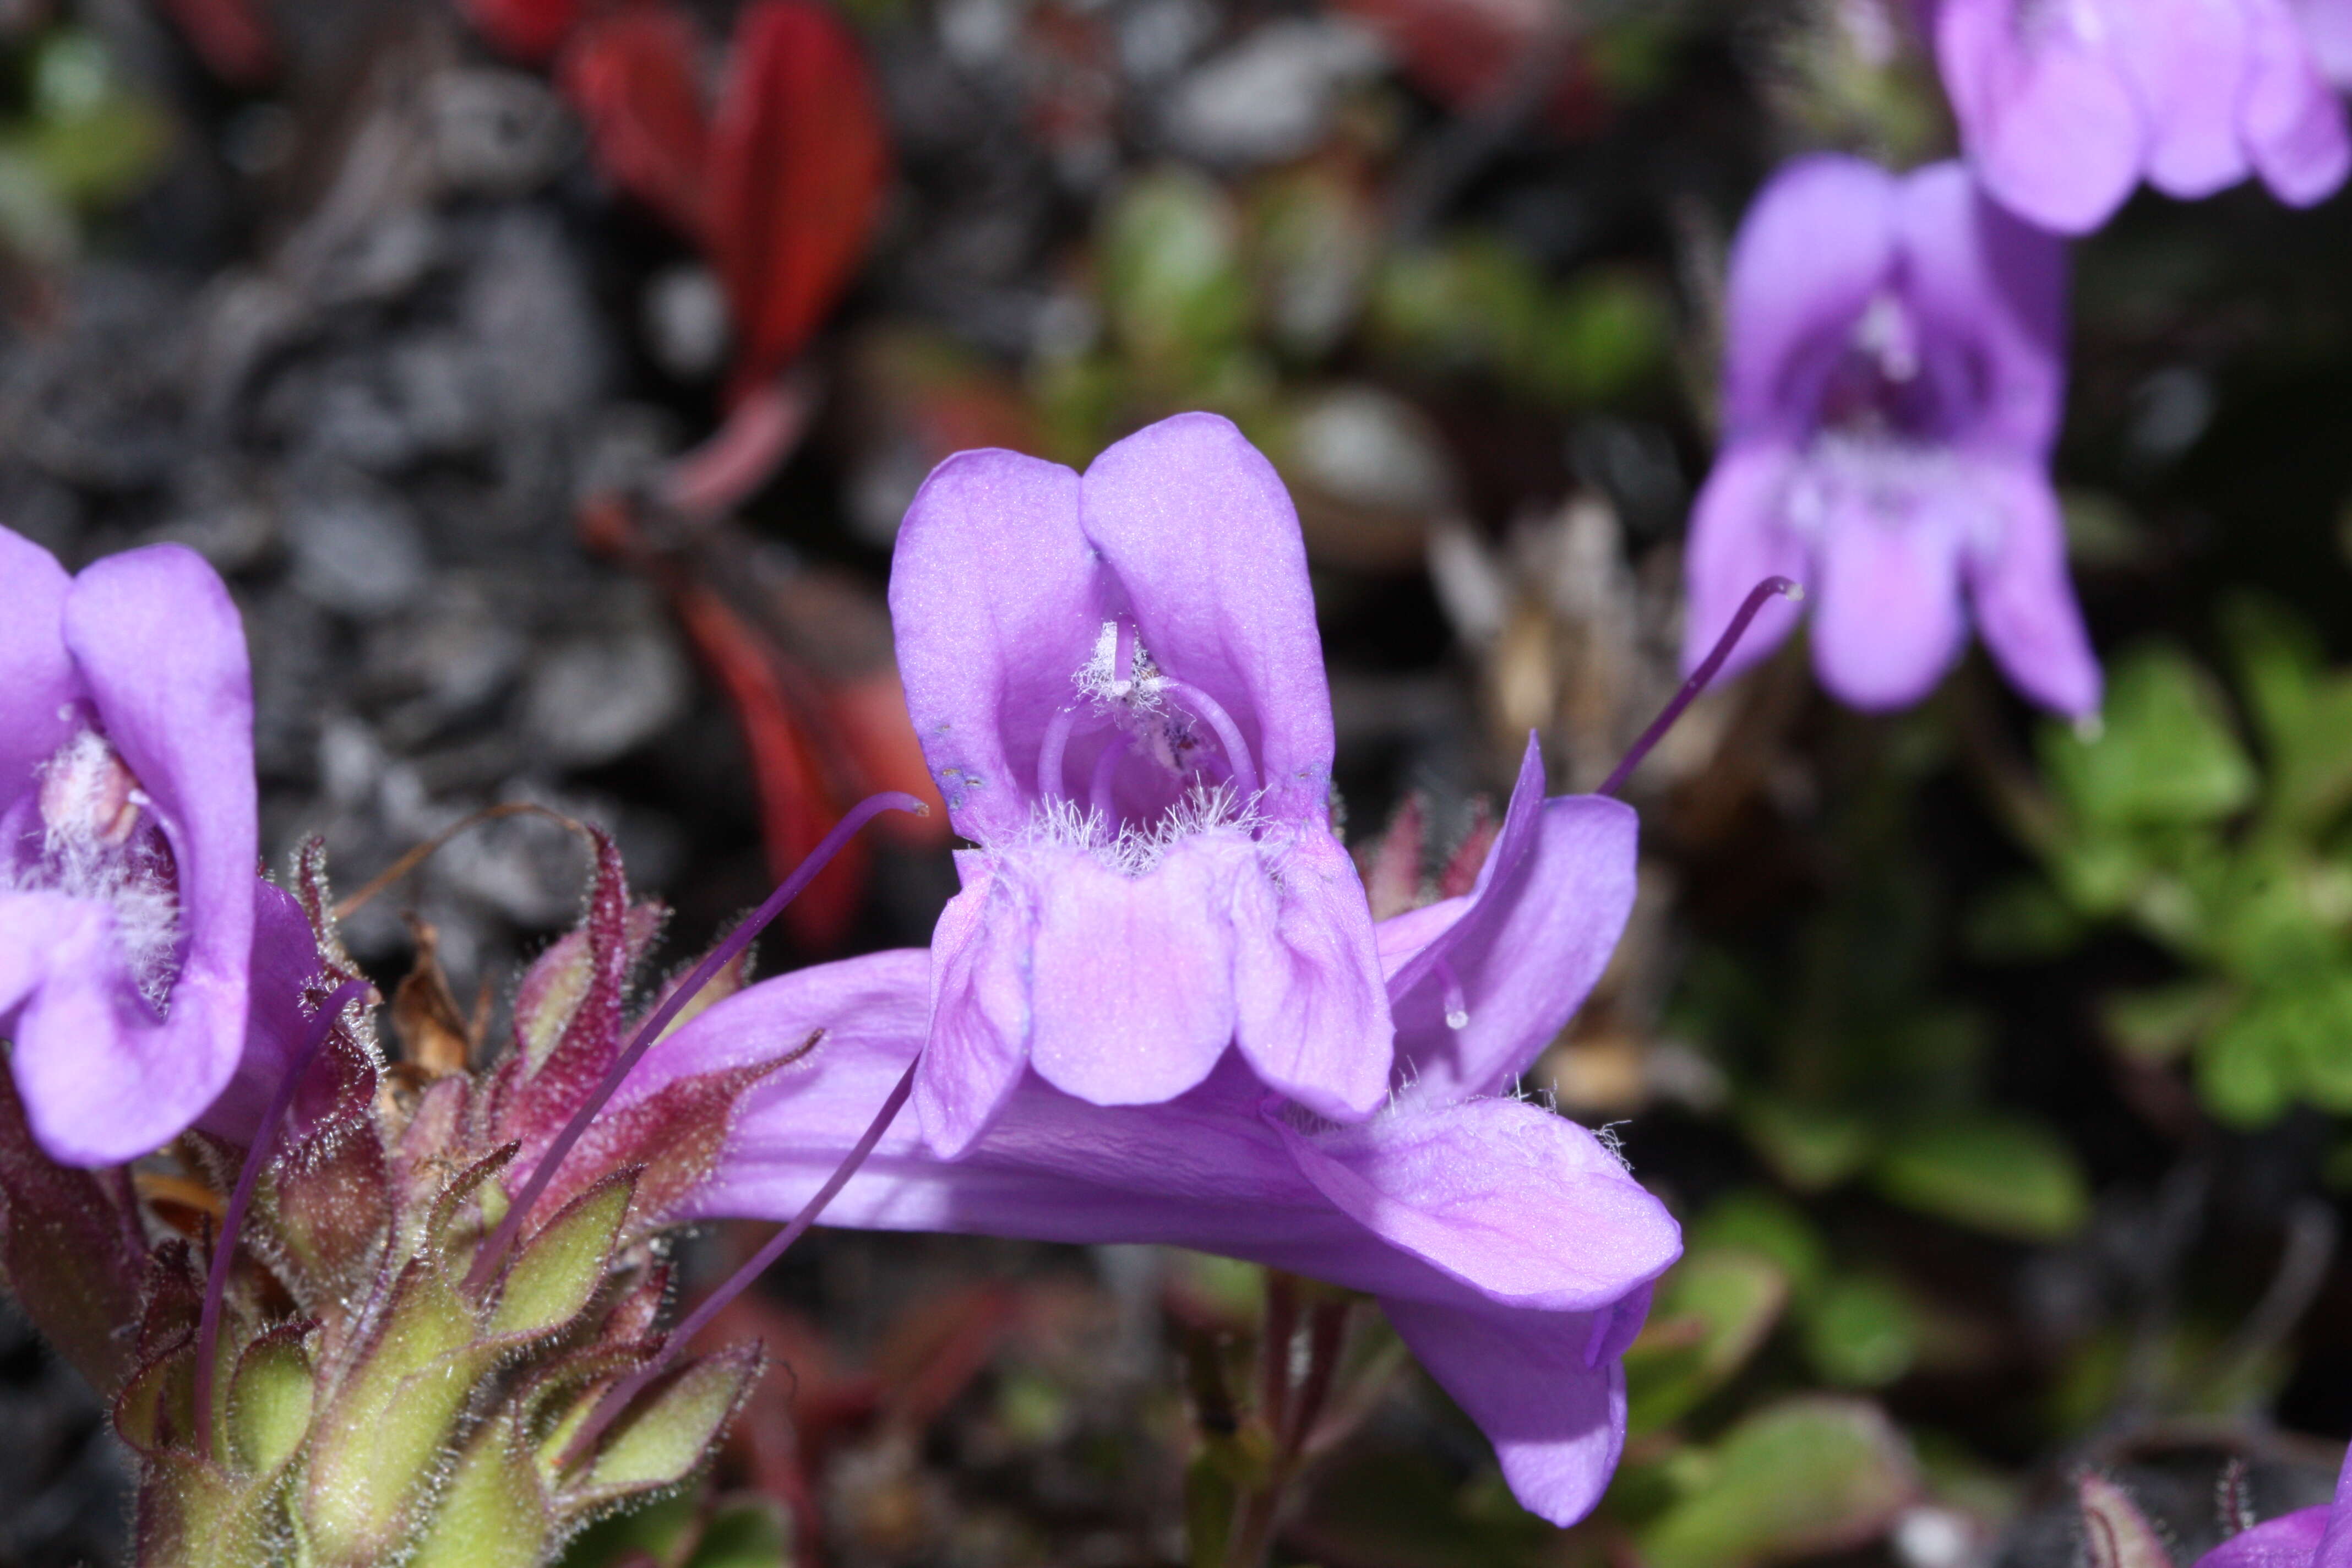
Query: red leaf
x=634, y=77
x=1464, y=52
x=229, y=37
x=799, y=161
x=795, y=808
x=528, y=29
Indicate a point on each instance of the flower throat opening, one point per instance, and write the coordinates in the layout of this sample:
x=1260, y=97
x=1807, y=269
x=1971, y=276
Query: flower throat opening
x=1146, y=745
x=88, y=830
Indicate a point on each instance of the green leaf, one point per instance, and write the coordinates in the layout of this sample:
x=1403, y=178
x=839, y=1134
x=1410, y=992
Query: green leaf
x=1713, y=1309
x=269, y=1398
x=1811, y=1147
x=2166, y=752
x=2162, y=1022
x=1862, y=1332
x=492, y=1512
x=2009, y=1177
x=1803, y=1476
x=2245, y=1071
x=1762, y=1221
x=558, y=1269
x=1170, y=251
x=746, y=1532
x=2019, y=921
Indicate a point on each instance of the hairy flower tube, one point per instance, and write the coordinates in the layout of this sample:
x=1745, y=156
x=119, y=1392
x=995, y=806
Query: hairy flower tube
x=2065, y=105
x=1509, y=1245
x=127, y=844
x=1117, y=684
x=1892, y=383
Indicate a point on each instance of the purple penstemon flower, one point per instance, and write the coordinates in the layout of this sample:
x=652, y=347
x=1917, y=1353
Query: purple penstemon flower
x=2065, y=105
x=1892, y=383
x=1509, y=1245
x=1117, y=684
x=126, y=844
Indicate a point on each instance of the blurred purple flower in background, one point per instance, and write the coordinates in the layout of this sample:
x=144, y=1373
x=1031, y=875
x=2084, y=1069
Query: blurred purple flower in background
x=1509, y=1245
x=1892, y=385
x=1118, y=686
x=127, y=844
x=2065, y=105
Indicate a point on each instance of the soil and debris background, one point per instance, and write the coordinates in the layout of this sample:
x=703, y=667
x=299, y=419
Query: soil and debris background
x=525, y=497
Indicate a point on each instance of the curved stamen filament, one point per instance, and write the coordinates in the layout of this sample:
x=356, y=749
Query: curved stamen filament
x=1748, y=610
x=1098, y=799
x=1229, y=735
x=1457, y=1006
x=224, y=1245
x=494, y=1250
x=616, y=1398
x=1055, y=747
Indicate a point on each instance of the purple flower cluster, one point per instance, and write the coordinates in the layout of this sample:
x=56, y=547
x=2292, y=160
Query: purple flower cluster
x=1159, y=1011
x=1892, y=387
x=2065, y=105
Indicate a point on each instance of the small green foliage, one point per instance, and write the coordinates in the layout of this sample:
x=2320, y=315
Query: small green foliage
x=1712, y=1312
x=2007, y=1176
x=1861, y=1332
x=1805, y=1475
x=667, y=1433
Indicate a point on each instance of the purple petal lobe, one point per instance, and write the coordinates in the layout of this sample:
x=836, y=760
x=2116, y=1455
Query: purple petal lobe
x=2024, y=602
x=978, y=1043
x=1557, y=1424
x=1477, y=1190
x=1816, y=247
x=2049, y=121
x=1526, y=946
x=1132, y=976
x=1201, y=535
x=285, y=960
x=36, y=677
x=2289, y=1541
x=2292, y=120
x=996, y=600
x=1738, y=539
x=2187, y=59
x=1310, y=1010
x=1988, y=295
x=1888, y=623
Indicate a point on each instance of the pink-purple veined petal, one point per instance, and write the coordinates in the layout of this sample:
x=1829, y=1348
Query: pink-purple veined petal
x=1477, y=1190
x=36, y=675
x=1557, y=1424
x=1888, y=621
x=1200, y=532
x=2188, y=60
x=1738, y=537
x=1310, y=1012
x=980, y=1022
x=2022, y=598
x=996, y=601
x=2289, y=114
x=1131, y=977
x=1987, y=293
x=2289, y=1541
x=2047, y=119
x=1817, y=245
x=163, y=656
x=1525, y=948
x=285, y=962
